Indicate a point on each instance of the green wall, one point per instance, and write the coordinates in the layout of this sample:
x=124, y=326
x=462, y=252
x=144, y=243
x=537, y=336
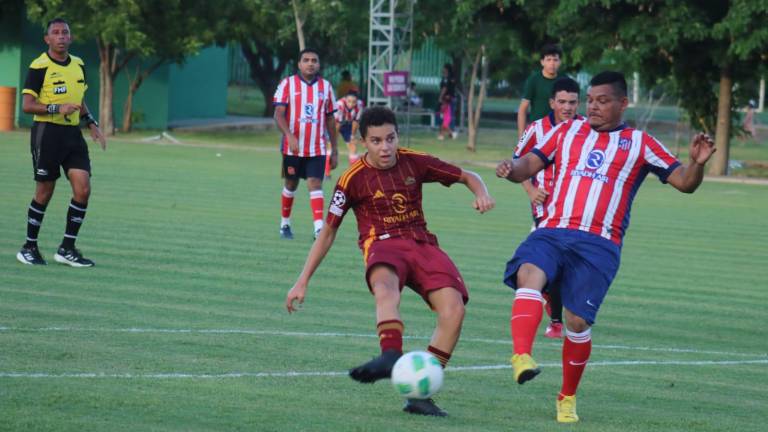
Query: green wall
x=10, y=56
x=197, y=89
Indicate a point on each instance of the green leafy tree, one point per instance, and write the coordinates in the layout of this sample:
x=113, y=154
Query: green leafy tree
x=493, y=38
x=705, y=47
x=132, y=32
x=267, y=33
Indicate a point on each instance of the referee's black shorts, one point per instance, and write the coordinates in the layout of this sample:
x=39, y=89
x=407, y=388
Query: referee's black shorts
x=55, y=146
x=302, y=167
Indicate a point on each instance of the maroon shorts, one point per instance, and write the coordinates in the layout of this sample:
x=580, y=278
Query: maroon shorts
x=421, y=266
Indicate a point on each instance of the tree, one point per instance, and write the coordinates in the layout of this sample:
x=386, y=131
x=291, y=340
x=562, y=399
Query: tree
x=493, y=36
x=128, y=31
x=704, y=46
x=267, y=33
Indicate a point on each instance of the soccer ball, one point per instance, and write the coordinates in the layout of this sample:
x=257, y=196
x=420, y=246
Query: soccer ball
x=417, y=375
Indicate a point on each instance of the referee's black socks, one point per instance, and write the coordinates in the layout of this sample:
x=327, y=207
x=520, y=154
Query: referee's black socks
x=35, y=216
x=75, y=217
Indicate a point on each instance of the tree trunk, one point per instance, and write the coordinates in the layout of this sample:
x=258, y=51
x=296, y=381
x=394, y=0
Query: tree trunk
x=474, y=109
x=106, y=56
x=133, y=87
x=719, y=163
x=263, y=71
x=299, y=25
x=471, y=130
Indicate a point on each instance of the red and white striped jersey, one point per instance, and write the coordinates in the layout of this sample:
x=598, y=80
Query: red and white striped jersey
x=344, y=114
x=597, y=175
x=307, y=105
x=534, y=134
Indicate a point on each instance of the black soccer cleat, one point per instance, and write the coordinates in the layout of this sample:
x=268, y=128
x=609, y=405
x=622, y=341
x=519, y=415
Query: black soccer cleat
x=425, y=407
x=285, y=232
x=72, y=257
x=376, y=369
x=30, y=255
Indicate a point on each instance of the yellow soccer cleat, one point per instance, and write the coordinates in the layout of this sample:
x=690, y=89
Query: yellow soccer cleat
x=566, y=410
x=525, y=368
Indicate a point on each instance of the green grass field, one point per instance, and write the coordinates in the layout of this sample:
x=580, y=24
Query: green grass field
x=181, y=325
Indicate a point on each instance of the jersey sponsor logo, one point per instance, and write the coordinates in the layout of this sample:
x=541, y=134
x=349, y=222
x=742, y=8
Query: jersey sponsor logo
x=591, y=174
x=595, y=159
x=379, y=194
x=625, y=143
x=60, y=89
x=398, y=203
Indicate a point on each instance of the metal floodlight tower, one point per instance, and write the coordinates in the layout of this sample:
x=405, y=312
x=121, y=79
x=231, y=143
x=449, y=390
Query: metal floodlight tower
x=389, y=44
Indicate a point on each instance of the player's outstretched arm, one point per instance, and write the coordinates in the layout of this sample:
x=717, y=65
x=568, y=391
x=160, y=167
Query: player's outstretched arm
x=521, y=169
x=319, y=249
x=687, y=178
x=483, y=200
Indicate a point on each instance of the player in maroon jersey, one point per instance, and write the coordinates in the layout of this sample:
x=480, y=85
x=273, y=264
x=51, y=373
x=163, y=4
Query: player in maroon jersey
x=384, y=190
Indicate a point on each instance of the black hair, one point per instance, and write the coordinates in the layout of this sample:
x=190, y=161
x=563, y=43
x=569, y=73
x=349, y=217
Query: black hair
x=565, y=84
x=352, y=92
x=378, y=115
x=344, y=74
x=56, y=20
x=450, y=69
x=309, y=50
x=615, y=79
x=550, y=49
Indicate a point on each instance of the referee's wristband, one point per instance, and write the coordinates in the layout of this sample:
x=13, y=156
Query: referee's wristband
x=89, y=120
x=52, y=108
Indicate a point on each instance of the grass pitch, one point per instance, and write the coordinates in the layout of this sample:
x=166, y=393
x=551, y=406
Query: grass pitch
x=181, y=326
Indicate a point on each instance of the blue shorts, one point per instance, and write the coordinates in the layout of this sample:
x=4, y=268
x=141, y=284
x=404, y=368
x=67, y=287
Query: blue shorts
x=582, y=264
x=346, y=132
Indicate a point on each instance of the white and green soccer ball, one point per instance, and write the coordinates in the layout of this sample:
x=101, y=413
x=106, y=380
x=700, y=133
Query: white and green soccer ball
x=417, y=375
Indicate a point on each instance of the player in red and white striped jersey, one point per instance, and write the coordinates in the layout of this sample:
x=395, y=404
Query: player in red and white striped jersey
x=304, y=107
x=599, y=165
x=564, y=102
x=348, y=111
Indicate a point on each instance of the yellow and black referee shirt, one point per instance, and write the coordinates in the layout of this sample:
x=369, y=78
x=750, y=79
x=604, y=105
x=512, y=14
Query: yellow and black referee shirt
x=55, y=82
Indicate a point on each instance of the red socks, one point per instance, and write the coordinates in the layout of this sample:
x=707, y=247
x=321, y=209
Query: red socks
x=390, y=335
x=442, y=356
x=287, y=203
x=576, y=350
x=316, y=202
x=526, y=316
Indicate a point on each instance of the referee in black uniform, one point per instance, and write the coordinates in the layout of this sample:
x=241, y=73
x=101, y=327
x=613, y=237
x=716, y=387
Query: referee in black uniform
x=54, y=92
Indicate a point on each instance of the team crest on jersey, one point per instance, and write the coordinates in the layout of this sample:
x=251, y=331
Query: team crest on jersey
x=309, y=110
x=625, y=143
x=595, y=159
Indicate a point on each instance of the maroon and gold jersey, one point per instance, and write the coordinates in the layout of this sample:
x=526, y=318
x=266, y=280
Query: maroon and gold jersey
x=387, y=203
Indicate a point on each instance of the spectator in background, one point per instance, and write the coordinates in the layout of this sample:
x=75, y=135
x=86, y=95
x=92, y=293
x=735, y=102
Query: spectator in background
x=413, y=97
x=538, y=88
x=446, y=102
x=346, y=85
x=749, y=119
